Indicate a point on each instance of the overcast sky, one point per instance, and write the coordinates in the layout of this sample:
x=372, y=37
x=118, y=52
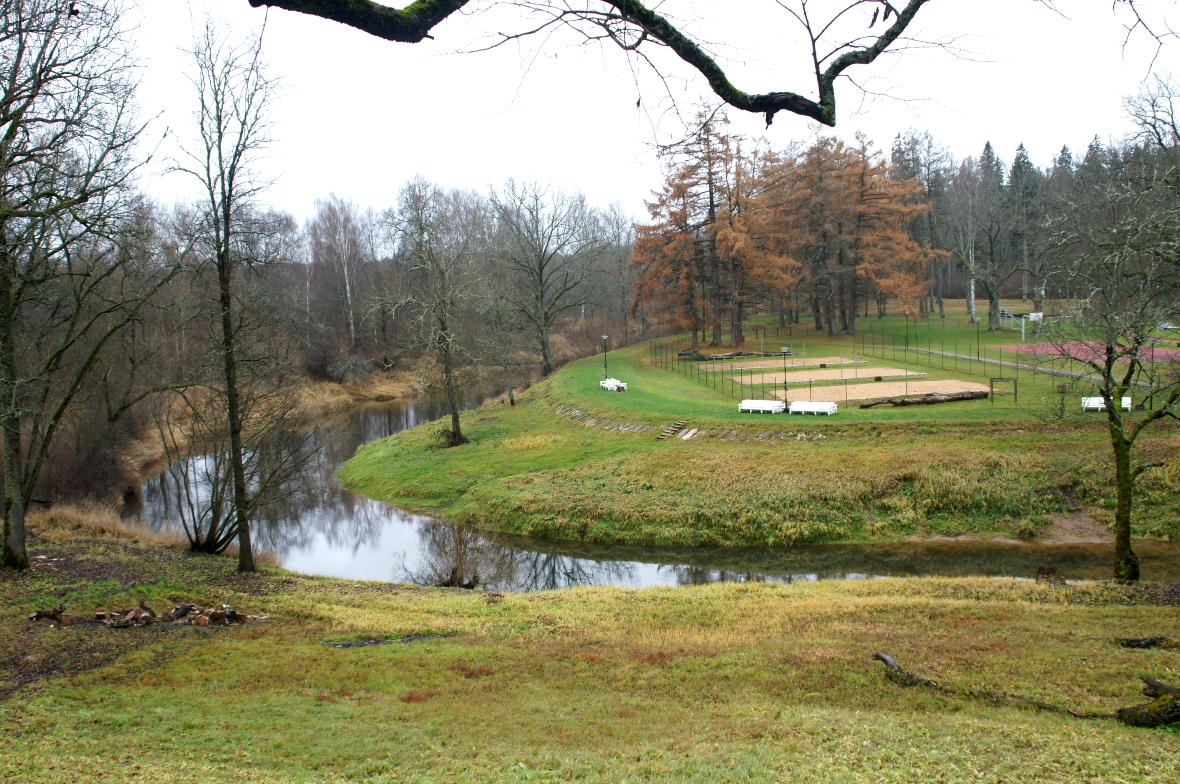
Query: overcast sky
x=358, y=116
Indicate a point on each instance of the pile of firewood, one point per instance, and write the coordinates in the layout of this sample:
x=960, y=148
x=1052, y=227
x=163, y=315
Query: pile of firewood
x=184, y=614
x=58, y=614
x=126, y=619
x=194, y=615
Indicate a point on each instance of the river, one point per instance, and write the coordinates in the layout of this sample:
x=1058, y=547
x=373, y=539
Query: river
x=323, y=529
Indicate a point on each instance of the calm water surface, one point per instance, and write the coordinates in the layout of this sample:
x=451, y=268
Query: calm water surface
x=322, y=529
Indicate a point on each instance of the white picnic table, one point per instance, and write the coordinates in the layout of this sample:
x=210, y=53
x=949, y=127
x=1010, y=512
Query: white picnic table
x=803, y=407
x=762, y=406
x=613, y=385
x=1098, y=404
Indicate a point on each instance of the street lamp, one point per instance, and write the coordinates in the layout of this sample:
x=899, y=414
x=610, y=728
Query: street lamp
x=604, y=373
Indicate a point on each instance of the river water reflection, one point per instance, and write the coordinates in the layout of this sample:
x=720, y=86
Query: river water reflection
x=325, y=530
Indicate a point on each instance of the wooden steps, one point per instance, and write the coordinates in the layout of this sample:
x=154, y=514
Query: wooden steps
x=671, y=430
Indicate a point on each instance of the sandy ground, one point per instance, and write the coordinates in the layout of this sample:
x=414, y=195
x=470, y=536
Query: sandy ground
x=835, y=393
x=1076, y=528
x=796, y=362
x=827, y=374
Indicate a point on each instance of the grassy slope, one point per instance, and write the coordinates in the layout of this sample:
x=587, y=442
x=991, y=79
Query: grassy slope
x=974, y=467
x=736, y=682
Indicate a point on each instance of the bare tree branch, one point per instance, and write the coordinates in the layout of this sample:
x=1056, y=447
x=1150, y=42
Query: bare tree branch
x=413, y=23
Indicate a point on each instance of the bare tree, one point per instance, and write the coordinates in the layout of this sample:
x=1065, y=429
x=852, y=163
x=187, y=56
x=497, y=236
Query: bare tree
x=618, y=274
x=337, y=237
x=439, y=235
x=993, y=265
x=964, y=197
x=1121, y=242
x=500, y=339
x=233, y=96
x=548, y=240
x=66, y=134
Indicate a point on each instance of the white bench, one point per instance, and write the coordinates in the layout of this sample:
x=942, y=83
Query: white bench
x=613, y=385
x=799, y=407
x=762, y=406
x=1098, y=404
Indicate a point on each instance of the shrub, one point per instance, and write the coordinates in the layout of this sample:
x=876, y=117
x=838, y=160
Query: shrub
x=351, y=370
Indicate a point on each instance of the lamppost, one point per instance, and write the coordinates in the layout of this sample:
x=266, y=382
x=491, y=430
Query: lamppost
x=906, y=351
x=604, y=373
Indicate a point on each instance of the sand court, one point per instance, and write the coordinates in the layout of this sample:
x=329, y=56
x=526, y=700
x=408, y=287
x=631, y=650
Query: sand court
x=826, y=374
x=835, y=393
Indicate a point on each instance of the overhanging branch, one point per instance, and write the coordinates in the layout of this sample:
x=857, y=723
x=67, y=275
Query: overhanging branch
x=407, y=25
x=414, y=23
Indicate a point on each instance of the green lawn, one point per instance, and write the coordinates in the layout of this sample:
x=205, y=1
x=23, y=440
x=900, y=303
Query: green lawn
x=570, y=463
x=718, y=683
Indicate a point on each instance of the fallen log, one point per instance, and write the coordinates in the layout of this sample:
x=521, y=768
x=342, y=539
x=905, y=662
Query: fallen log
x=1163, y=709
x=926, y=400
x=1153, y=688
x=1159, y=641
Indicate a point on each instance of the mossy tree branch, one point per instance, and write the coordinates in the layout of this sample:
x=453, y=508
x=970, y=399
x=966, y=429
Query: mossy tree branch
x=408, y=25
x=414, y=22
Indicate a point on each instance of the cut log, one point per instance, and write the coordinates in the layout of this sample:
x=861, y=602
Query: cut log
x=52, y=614
x=925, y=400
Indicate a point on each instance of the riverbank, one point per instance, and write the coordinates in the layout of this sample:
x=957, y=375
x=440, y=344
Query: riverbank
x=733, y=682
x=315, y=401
x=573, y=462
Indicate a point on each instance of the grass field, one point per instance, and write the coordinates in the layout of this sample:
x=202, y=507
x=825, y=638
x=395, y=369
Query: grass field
x=719, y=683
x=575, y=462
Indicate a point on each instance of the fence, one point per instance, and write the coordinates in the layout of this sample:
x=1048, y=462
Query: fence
x=729, y=377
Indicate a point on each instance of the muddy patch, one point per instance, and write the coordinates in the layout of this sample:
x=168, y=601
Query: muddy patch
x=1076, y=528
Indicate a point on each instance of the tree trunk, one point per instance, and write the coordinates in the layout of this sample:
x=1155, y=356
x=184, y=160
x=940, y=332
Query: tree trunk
x=13, y=554
x=830, y=316
x=1126, y=563
x=450, y=387
x=546, y=352
x=351, y=317
x=1038, y=304
x=735, y=308
x=939, y=280
x=237, y=464
x=842, y=301
x=715, y=273
x=971, y=283
x=850, y=326
x=993, y=309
